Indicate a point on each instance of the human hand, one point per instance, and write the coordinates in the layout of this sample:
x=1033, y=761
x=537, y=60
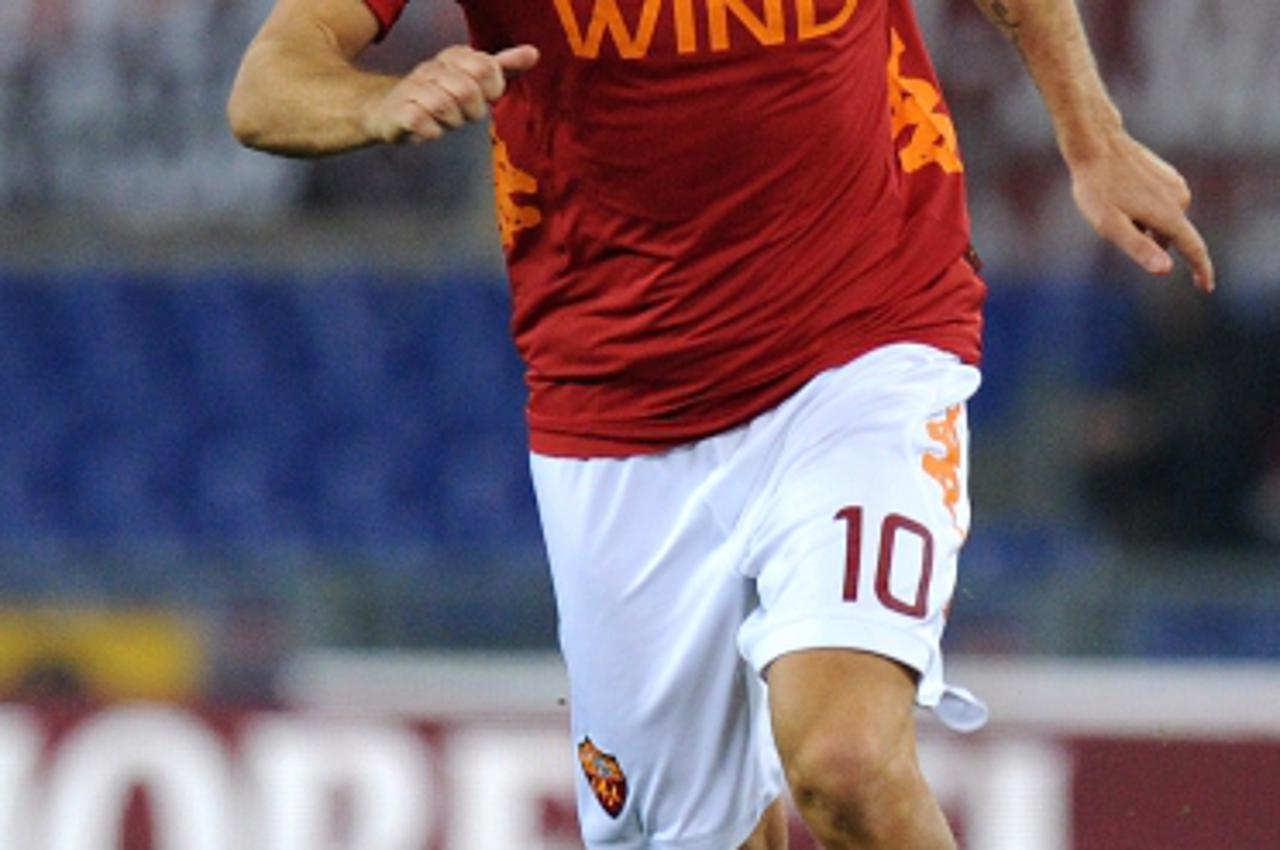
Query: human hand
x=1139, y=202
x=446, y=92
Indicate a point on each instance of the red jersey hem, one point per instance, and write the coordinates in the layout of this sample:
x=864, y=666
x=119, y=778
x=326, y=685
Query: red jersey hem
x=660, y=438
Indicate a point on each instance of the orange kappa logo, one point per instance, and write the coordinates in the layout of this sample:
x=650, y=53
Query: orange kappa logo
x=510, y=181
x=913, y=103
x=945, y=469
x=605, y=777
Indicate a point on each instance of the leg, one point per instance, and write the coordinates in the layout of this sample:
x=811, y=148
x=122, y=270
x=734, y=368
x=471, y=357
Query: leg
x=854, y=553
x=843, y=724
x=771, y=833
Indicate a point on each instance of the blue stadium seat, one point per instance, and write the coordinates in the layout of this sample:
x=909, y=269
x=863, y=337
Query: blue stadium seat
x=247, y=414
x=1211, y=629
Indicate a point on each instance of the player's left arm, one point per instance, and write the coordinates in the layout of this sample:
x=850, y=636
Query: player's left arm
x=1128, y=194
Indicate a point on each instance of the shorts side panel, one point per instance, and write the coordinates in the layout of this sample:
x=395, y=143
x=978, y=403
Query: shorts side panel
x=856, y=540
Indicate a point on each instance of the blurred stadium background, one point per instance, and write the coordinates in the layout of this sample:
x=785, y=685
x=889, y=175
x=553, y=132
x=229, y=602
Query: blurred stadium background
x=270, y=575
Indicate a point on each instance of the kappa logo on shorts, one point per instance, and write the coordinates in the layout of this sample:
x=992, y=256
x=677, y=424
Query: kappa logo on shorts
x=945, y=469
x=605, y=777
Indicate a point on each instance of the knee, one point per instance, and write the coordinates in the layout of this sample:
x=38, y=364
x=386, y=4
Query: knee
x=852, y=781
x=844, y=726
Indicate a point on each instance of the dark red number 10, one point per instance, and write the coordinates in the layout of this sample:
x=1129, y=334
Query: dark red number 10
x=889, y=530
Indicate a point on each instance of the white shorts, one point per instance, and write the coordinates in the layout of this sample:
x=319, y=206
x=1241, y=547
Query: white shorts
x=833, y=520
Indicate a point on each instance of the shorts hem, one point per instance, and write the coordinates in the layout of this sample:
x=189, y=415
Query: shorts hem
x=847, y=633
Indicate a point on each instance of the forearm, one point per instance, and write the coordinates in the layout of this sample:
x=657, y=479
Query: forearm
x=299, y=91
x=1128, y=194
x=303, y=100
x=1051, y=39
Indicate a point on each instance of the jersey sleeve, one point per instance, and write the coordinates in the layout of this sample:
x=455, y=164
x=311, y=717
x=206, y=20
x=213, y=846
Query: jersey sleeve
x=387, y=12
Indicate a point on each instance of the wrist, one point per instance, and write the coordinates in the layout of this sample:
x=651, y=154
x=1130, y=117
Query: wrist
x=371, y=108
x=1088, y=133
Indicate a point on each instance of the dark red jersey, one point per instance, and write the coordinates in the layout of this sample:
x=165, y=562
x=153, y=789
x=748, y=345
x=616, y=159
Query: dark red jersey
x=704, y=203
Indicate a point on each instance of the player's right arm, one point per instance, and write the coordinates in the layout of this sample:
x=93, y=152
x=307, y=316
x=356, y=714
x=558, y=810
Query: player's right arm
x=300, y=91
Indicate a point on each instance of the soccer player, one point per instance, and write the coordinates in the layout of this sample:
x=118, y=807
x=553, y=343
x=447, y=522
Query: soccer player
x=750, y=314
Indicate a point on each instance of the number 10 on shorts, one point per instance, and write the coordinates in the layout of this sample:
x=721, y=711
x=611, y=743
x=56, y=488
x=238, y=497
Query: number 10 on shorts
x=893, y=526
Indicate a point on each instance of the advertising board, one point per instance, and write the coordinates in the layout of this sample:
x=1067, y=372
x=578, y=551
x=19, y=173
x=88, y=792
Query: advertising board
x=474, y=755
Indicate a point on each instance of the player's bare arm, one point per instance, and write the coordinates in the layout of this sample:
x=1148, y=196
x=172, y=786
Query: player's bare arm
x=300, y=91
x=1128, y=194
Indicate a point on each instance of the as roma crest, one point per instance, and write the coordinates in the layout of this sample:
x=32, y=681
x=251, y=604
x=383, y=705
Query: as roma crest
x=605, y=777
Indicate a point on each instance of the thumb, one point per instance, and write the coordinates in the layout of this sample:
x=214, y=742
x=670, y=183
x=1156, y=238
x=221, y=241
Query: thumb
x=514, y=61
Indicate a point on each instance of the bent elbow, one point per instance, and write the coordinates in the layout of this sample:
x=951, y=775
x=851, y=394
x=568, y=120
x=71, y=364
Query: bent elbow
x=244, y=117
x=251, y=111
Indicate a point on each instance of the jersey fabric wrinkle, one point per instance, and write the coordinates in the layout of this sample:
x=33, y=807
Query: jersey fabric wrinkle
x=695, y=229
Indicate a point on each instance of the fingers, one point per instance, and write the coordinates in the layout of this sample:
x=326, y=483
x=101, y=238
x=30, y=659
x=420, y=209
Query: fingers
x=517, y=60
x=448, y=91
x=1139, y=202
x=1138, y=242
x=1147, y=246
x=413, y=122
x=453, y=99
x=1192, y=247
x=482, y=68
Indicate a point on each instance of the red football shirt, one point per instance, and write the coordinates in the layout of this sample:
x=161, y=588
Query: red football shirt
x=704, y=203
